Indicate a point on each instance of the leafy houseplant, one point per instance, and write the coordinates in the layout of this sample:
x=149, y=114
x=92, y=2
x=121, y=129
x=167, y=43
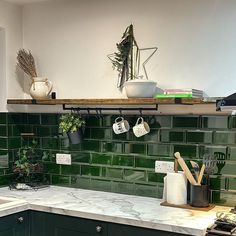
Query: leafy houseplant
x=127, y=62
x=72, y=124
x=27, y=164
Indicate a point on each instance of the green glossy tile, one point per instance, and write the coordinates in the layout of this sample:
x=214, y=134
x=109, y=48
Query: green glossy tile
x=159, y=121
x=215, y=122
x=60, y=180
x=117, y=147
x=3, y=118
x=50, y=143
x=5, y=180
x=106, y=121
x=93, y=121
x=14, y=143
x=49, y=119
x=17, y=118
x=80, y=182
x=211, y=150
x=80, y=157
x=3, y=130
x=91, y=170
x=4, y=159
x=114, y=173
x=100, y=133
x=199, y=136
x=189, y=151
x=224, y=137
x=102, y=185
x=144, y=162
x=226, y=167
x=90, y=146
x=135, y=148
x=159, y=149
x=65, y=144
x=186, y=122
x=134, y=175
x=146, y=190
x=223, y=198
x=231, y=183
x=70, y=169
x=106, y=146
x=156, y=177
x=123, y=136
x=52, y=168
x=122, y=187
x=16, y=130
x=87, y=133
x=232, y=153
x=123, y=160
x=44, y=131
x=34, y=119
x=101, y=159
x=172, y=136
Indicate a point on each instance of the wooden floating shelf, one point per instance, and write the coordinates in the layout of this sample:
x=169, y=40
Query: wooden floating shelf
x=130, y=101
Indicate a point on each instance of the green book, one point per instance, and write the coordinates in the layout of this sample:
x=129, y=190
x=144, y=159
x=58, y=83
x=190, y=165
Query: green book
x=178, y=95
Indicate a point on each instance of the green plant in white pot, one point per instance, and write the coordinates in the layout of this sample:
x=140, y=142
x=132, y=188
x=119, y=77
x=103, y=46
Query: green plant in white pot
x=127, y=62
x=72, y=125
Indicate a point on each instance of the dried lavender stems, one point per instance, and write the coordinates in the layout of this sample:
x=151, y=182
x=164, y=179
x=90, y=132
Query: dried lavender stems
x=26, y=62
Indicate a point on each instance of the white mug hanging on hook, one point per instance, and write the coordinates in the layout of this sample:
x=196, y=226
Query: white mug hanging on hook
x=121, y=125
x=141, y=127
x=40, y=88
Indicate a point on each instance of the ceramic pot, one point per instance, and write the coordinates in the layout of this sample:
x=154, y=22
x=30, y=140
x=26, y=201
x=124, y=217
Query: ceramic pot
x=140, y=88
x=40, y=88
x=75, y=137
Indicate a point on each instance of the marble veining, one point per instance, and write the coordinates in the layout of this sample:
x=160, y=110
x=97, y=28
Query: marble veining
x=112, y=207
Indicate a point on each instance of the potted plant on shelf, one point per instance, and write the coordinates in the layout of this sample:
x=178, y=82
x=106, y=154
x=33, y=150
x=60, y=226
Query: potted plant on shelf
x=127, y=62
x=40, y=86
x=72, y=125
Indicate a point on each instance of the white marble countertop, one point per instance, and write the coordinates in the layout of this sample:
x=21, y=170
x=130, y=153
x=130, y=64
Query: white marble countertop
x=110, y=207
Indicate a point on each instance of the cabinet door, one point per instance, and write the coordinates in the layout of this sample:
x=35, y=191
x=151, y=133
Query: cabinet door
x=125, y=230
x=15, y=225
x=48, y=224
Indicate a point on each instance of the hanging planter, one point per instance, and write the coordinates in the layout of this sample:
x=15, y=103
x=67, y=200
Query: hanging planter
x=72, y=125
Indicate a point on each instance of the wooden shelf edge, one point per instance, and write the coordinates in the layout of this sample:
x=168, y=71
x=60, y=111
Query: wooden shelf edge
x=130, y=101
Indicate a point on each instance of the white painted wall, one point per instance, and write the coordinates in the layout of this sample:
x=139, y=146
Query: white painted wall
x=71, y=39
x=10, y=42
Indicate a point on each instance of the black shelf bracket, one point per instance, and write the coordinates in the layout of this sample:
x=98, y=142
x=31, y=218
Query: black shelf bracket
x=119, y=109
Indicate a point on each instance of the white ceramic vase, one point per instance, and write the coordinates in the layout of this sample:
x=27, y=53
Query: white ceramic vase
x=40, y=88
x=140, y=88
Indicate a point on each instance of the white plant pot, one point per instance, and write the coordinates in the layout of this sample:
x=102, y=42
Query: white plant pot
x=40, y=88
x=140, y=88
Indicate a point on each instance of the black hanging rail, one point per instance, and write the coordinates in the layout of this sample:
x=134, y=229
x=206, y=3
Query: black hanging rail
x=120, y=109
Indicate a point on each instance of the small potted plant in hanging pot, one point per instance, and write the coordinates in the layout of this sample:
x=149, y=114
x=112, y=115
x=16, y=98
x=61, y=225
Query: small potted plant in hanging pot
x=72, y=124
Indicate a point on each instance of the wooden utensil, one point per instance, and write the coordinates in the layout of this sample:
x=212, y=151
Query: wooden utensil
x=195, y=168
x=201, y=174
x=185, y=169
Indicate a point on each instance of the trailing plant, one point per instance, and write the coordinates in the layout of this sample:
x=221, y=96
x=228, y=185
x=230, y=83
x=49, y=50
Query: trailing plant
x=25, y=61
x=26, y=162
x=71, y=122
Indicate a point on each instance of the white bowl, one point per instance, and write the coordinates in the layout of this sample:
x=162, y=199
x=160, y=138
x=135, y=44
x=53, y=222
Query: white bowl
x=140, y=88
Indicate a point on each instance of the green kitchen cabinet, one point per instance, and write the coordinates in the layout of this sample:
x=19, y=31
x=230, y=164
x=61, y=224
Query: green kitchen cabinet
x=15, y=224
x=126, y=230
x=49, y=224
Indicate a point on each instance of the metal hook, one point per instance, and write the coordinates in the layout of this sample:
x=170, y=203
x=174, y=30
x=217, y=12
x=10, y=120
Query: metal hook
x=88, y=110
x=140, y=111
x=120, y=111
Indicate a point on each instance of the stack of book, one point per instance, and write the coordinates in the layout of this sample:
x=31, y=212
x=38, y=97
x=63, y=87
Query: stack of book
x=181, y=93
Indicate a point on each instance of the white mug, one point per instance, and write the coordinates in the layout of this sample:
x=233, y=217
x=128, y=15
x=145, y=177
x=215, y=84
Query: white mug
x=141, y=127
x=121, y=125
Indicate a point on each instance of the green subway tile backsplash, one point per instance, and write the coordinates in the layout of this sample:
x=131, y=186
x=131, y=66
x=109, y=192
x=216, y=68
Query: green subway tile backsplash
x=124, y=163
